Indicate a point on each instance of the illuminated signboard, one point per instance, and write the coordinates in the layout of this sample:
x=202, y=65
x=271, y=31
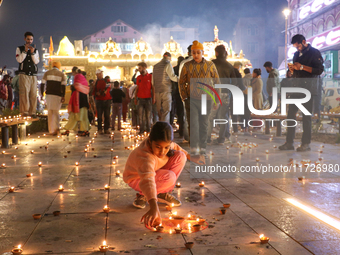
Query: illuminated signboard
x=325, y=39
x=313, y=7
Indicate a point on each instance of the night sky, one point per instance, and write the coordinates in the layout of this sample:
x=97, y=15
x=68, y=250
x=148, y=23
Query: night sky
x=78, y=18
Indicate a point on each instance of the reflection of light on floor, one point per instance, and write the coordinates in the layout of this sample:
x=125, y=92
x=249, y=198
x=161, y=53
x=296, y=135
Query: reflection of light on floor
x=320, y=215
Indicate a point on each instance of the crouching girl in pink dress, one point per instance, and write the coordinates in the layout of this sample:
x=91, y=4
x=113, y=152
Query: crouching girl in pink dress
x=153, y=168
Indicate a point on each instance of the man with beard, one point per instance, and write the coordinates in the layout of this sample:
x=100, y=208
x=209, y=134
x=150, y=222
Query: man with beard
x=306, y=68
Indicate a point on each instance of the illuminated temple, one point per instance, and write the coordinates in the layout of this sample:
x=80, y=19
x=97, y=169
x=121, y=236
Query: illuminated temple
x=121, y=66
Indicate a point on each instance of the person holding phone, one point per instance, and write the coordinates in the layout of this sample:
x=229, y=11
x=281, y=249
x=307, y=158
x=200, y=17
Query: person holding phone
x=28, y=58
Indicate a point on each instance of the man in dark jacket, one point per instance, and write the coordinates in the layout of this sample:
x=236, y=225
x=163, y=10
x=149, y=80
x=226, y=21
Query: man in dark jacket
x=308, y=65
x=273, y=81
x=177, y=107
x=117, y=96
x=28, y=58
x=227, y=75
x=239, y=84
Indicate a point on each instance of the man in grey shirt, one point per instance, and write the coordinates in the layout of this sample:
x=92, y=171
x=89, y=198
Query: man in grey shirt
x=163, y=74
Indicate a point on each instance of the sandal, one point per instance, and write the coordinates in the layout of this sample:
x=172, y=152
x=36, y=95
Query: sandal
x=66, y=133
x=85, y=133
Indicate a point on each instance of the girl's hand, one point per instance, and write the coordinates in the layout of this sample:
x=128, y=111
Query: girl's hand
x=199, y=159
x=153, y=217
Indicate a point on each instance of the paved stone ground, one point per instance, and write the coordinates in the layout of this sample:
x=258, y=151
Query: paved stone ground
x=257, y=201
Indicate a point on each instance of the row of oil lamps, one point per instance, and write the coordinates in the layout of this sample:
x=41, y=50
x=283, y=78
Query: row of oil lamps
x=104, y=247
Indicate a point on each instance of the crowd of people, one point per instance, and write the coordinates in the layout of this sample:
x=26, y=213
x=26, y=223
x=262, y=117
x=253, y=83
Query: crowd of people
x=152, y=102
x=167, y=93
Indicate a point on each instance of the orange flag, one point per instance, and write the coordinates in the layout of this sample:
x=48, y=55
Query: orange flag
x=51, y=46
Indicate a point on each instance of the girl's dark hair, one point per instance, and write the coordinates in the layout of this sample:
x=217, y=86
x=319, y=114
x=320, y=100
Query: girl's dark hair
x=79, y=71
x=257, y=71
x=162, y=131
x=74, y=69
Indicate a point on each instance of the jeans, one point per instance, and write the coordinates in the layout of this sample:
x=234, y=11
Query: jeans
x=16, y=99
x=103, y=107
x=224, y=128
x=163, y=104
x=198, y=125
x=306, y=123
x=154, y=114
x=235, y=118
x=134, y=113
x=177, y=109
x=144, y=106
x=116, y=111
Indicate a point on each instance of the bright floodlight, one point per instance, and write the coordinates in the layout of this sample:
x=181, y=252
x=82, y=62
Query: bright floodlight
x=335, y=223
x=286, y=12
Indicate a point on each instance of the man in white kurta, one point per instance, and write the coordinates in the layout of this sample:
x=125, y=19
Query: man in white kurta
x=55, y=81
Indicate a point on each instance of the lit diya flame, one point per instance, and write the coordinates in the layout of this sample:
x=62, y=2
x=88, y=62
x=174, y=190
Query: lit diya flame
x=40, y=164
x=201, y=184
x=77, y=163
x=262, y=236
x=61, y=188
x=114, y=162
x=115, y=157
x=3, y=152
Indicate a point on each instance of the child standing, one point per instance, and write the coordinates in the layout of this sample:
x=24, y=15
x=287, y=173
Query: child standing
x=153, y=168
x=117, y=96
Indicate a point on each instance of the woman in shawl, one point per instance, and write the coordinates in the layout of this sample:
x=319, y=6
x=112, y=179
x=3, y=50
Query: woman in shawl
x=78, y=105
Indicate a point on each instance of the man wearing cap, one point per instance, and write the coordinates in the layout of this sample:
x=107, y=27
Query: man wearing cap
x=198, y=75
x=28, y=58
x=163, y=74
x=55, y=82
x=101, y=92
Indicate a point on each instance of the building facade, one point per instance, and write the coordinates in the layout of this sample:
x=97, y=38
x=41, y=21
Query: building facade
x=119, y=31
x=319, y=22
